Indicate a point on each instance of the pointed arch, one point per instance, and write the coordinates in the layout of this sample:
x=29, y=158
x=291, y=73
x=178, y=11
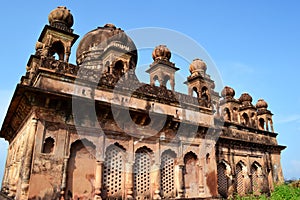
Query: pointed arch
x=142, y=167
x=223, y=170
x=81, y=169
x=114, y=171
x=167, y=174
x=191, y=174
x=239, y=178
x=57, y=48
x=255, y=178
x=48, y=146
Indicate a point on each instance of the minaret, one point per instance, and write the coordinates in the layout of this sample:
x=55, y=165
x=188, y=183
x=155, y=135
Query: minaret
x=264, y=116
x=201, y=84
x=162, y=70
x=58, y=37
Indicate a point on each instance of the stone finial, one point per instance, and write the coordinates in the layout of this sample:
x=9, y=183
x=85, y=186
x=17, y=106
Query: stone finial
x=61, y=16
x=198, y=66
x=261, y=104
x=228, y=92
x=161, y=52
x=245, y=98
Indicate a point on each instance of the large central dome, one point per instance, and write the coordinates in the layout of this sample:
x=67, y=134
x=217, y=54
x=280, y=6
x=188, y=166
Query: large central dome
x=97, y=41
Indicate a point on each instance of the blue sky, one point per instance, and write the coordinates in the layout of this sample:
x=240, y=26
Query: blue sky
x=254, y=44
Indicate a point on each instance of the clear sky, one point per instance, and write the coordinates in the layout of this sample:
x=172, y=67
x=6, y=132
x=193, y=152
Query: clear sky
x=254, y=44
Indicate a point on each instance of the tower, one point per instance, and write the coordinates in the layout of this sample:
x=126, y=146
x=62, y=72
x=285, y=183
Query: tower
x=58, y=37
x=162, y=69
x=201, y=84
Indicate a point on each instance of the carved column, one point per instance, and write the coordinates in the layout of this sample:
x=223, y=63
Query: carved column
x=28, y=159
x=99, y=179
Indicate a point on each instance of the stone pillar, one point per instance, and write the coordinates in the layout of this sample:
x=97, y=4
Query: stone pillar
x=99, y=179
x=64, y=179
x=155, y=175
x=180, y=181
x=129, y=180
x=28, y=159
x=201, y=179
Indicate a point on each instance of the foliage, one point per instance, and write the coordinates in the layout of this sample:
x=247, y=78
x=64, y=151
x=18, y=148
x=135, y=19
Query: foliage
x=281, y=192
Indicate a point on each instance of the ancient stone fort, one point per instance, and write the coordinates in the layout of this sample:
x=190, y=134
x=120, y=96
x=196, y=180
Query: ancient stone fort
x=92, y=130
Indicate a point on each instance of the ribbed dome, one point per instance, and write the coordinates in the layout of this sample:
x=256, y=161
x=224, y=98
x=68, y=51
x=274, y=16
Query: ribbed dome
x=261, y=104
x=61, y=15
x=228, y=92
x=161, y=52
x=198, y=66
x=245, y=97
x=100, y=39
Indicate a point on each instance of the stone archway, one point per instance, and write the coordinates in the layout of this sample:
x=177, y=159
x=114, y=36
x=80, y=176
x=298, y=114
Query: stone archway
x=191, y=175
x=81, y=171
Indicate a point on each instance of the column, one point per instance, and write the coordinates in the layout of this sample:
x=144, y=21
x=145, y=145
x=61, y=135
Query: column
x=155, y=176
x=129, y=180
x=180, y=181
x=99, y=179
x=64, y=179
x=28, y=159
x=201, y=179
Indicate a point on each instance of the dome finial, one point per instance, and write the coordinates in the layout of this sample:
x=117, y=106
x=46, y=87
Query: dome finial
x=161, y=52
x=198, y=66
x=61, y=18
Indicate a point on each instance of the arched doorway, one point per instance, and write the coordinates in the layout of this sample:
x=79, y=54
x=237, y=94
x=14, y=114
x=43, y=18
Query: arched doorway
x=191, y=175
x=81, y=171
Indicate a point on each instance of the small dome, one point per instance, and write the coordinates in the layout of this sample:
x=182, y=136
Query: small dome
x=245, y=97
x=161, y=52
x=197, y=66
x=261, y=104
x=61, y=15
x=228, y=92
x=98, y=40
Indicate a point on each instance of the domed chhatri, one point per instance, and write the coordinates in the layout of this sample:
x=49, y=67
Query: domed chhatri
x=97, y=40
x=245, y=97
x=198, y=66
x=61, y=15
x=161, y=52
x=261, y=104
x=228, y=92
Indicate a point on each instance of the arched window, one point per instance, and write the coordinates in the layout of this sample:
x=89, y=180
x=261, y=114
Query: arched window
x=48, y=146
x=239, y=176
x=222, y=180
x=142, y=166
x=119, y=68
x=227, y=115
x=155, y=80
x=113, y=169
x=261, y=123
x=255, y=183
x=167, y=174
x=57, y=50
x=245, y=119
x=167, y=82
x=195, y=92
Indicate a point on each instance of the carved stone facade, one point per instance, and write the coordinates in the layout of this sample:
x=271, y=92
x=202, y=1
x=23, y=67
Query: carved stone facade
x=94, y=131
